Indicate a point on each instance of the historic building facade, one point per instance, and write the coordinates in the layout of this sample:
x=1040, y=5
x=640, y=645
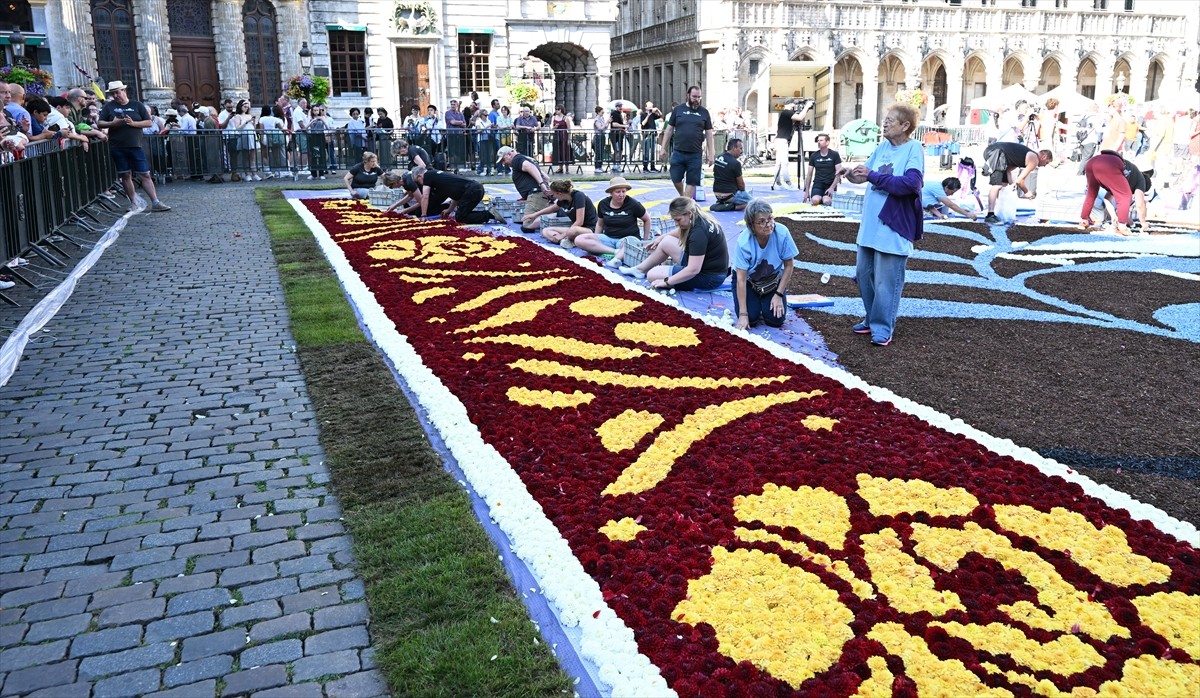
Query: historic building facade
x=956, y=50
x=382, y=53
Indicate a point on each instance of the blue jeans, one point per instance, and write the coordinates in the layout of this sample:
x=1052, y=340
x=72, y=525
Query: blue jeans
x=758, y=308
x=880, y=282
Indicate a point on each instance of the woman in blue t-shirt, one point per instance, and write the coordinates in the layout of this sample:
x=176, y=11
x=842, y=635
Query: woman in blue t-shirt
x=891, y=220
x=762, y=262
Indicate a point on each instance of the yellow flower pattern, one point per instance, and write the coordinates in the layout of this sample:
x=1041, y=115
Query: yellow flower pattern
x=626, y=529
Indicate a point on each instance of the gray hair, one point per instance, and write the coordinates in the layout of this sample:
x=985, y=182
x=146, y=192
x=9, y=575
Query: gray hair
x=757, y=208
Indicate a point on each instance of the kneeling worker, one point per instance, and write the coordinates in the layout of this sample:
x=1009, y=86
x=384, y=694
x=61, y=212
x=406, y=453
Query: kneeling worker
x=729, y=186
x=935, y=199
x=463, y=195
x=1004, y=158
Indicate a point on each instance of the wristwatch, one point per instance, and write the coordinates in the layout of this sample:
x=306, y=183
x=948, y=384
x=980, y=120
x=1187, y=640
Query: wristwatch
x=781, y=295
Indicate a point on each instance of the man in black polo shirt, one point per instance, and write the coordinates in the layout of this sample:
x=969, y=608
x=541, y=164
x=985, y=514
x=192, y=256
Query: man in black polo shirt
x=463, y=195
x=729, y=187
x=414, y=154
x=531, y=183
x=1004, y=158
x=692, y=128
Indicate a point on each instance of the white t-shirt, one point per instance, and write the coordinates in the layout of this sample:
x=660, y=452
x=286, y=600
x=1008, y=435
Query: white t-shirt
x=272, y=123
x=57, y=119
x=187, y=124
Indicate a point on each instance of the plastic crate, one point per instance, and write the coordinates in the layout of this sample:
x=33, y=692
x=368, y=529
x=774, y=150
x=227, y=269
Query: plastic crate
x=385, y=197
x=848, y=202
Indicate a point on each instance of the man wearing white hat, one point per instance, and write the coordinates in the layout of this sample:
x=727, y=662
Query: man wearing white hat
x=125, y=118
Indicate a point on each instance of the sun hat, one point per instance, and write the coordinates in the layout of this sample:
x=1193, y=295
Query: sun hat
x=618, y=183
x=203, y=111
x=116, y=85
x=504, y=151
x=171, y=112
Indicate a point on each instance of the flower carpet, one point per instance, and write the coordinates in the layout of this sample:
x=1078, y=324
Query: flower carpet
x=723, y=517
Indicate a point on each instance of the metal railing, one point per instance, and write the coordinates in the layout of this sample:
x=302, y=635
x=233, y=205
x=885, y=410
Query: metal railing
x=47, y=189
x=207, y=154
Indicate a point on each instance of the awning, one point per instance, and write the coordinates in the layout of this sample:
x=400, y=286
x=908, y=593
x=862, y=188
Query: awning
x=29, y=40
x=346, y=27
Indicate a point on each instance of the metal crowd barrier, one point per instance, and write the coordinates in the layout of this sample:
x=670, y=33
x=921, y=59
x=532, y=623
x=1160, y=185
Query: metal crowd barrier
x=45, y=191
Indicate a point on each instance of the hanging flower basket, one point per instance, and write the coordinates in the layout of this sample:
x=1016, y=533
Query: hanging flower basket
x=1124, y=98
x=316, y=89
x=916, y=98
x=35, y=80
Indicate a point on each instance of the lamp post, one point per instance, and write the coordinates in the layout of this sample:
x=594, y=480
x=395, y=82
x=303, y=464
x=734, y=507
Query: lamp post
x=17, y=41
x=305, y=57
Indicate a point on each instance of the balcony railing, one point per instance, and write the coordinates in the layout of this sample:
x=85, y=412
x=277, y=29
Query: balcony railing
x=802, y=14
x=656, y=35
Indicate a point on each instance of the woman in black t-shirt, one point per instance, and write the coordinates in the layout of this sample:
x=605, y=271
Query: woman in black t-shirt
x=618, y=217
x=575, y=206
x=361, y=178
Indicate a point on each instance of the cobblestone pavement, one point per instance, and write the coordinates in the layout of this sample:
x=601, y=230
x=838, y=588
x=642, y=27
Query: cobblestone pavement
x=166, y=527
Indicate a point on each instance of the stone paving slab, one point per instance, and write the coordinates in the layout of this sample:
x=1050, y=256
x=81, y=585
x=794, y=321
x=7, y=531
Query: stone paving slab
x=165, y=522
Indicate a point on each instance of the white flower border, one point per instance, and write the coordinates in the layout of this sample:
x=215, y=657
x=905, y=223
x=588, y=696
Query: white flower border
x=606, y=641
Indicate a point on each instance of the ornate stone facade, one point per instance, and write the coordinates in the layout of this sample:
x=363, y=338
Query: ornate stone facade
x=957, y=50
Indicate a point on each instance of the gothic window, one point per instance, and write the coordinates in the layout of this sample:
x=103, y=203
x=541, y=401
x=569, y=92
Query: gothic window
x=348, y=62
x=262, y=51
x=116, y=44
x=473, y=62
x=190, y=18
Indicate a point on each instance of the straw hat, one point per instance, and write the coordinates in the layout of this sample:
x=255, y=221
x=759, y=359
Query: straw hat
x=116, y=85
x=618, y=183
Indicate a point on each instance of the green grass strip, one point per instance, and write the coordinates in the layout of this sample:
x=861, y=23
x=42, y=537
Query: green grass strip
x=433, y=579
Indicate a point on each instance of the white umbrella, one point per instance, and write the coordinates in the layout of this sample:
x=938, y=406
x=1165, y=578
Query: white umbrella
x=1069, y=100
x=1007, y=97
x=622, y=104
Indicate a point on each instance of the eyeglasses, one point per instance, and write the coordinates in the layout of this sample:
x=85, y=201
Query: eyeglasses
x=764, y=221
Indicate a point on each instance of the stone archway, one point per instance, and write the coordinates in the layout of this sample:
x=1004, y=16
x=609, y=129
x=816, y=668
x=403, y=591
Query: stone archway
x=576, y=83
x=891, y=80
x=974, y=83
x=1086, y=78
x=1051, y=76
x=1154, y=79
x=847, y=90
x=933, y=80
x=1014, y=72
x=1122, y=76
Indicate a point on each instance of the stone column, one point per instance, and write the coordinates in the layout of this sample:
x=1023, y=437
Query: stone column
x=72, y=42
x=954, y=91
x=994, y=77
x=1138, y=78
x=231, y=49
x=1104, y=79
x=154, y=51
x=870, y=105
x=292, y=18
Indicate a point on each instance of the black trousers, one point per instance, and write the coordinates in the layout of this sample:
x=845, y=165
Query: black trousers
x=466, y=212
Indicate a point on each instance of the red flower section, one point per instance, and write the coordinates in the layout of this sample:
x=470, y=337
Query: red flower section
x=690, y=512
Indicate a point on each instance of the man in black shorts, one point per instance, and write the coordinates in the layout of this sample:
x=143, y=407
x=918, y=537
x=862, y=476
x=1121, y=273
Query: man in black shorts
x=463, y=195
x=819, y=178
x=1003, y=159
x=532, y=184
x=729, y=186
x=691, y=127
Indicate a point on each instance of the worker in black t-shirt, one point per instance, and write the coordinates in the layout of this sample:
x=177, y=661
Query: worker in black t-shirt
x=1004, y=158
x=691, y=127
x=818, y=181
x=463, y=195
x=729, y=186
x=791, y=115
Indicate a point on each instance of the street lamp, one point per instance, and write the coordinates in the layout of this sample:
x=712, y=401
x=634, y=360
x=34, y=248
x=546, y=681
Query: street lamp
x=17, y=41
x=305, y=57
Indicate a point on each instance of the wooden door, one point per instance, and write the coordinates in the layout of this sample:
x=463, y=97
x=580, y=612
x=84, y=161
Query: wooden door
x=412, y=67
x=195, y=61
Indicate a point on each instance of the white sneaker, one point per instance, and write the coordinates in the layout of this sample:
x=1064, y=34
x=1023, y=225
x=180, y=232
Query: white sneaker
x=5, y=285
x=256, y=178
x=633, y=271
x=309, y=178
x=322, y=176
x=270, y=175
x=17, y=262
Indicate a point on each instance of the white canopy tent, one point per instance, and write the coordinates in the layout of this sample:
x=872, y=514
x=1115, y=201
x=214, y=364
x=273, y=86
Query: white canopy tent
x=1008, y=97
x=1069, y=100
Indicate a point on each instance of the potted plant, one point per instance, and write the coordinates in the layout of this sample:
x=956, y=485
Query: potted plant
x=35, y=80
x=314, y=89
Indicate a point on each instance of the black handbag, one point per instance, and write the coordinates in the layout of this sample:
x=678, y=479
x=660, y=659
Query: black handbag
x=764, y=279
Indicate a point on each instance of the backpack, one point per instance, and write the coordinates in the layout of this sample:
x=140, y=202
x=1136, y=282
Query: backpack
x=1084, y=129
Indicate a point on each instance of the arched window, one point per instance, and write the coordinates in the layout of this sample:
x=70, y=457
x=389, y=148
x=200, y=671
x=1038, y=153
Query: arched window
x=262, y=51
x=116, y=44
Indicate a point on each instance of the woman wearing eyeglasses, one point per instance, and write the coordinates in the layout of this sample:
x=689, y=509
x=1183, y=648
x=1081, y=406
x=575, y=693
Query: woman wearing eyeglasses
x=762, y=262
x=891, y=220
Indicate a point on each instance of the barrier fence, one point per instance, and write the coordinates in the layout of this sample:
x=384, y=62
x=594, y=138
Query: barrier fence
x=48, y=189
